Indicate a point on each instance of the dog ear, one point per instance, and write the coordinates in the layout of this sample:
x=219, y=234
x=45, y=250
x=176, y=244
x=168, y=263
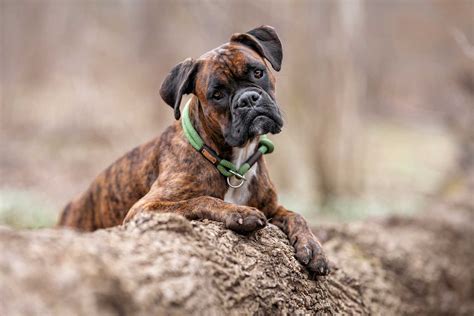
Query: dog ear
x=264, y=40
x=179, y=81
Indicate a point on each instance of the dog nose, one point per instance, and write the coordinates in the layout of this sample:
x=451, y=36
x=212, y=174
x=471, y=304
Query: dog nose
x=248, y=98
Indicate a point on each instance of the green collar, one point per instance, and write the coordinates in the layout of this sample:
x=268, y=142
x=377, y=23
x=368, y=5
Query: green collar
x=225, y=167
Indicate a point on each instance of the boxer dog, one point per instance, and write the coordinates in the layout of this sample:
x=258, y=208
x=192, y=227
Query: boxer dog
x=232, y=105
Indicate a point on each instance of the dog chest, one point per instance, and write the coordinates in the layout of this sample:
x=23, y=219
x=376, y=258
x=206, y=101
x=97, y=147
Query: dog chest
x=239, y=156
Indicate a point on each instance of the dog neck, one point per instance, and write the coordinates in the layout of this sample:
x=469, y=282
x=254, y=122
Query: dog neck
x=209, y=130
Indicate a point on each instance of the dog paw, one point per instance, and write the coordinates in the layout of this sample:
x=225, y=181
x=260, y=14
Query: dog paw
x=310, y=253
x=244, y=219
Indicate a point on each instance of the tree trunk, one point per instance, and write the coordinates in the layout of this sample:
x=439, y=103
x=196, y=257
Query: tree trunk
x=340, y=139
x=162, y=263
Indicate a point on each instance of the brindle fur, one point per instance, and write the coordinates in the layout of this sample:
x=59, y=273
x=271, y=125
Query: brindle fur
x=168, y=175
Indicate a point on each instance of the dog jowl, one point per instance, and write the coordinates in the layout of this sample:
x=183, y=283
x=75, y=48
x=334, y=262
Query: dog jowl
x=232, y=105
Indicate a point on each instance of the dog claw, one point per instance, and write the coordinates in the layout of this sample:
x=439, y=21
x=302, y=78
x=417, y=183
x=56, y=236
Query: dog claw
x=240, y=221
x=260, y=222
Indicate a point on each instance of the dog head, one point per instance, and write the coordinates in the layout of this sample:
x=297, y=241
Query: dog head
x=234, y=86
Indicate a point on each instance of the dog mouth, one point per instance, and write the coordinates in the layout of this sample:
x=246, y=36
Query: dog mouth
x=255, y=123
x=264, y=124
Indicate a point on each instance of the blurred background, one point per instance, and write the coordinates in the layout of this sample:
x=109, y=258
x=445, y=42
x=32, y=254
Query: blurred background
x=378, y=96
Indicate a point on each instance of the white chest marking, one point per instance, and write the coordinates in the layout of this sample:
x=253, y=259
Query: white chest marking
x=239, y=156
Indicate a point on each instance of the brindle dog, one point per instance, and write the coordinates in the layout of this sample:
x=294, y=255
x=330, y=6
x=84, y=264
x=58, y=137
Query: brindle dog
x=233, y=103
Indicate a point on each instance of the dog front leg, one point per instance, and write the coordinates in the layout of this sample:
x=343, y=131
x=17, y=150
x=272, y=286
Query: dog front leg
x=307, y=247
x=241, y=219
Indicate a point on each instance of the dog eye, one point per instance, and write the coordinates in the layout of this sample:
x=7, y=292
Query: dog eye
x=258, y=73
x=217, y=95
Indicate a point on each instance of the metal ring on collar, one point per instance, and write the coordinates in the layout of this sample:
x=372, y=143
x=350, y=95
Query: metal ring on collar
x=242, y=180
